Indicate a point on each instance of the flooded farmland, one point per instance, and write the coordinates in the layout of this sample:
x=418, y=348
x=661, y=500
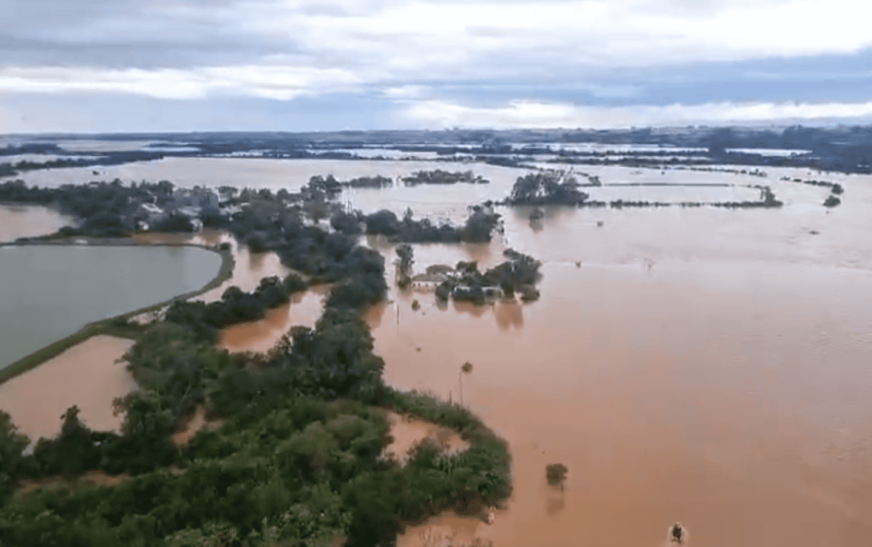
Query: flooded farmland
x=701, y=366
x=29, y=221
x=87, y=375
x=733, y=399
x=706, y=366
x=261, y=336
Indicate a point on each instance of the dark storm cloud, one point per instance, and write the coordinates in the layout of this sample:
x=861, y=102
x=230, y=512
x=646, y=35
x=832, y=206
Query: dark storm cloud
x=128, y=34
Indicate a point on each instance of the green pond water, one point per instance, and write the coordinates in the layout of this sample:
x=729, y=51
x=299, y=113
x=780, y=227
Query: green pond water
x=49, y=292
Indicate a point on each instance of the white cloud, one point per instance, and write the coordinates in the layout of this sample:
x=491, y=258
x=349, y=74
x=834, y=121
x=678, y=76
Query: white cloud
x=474, y=39
x=275, y=82
x=405, y=92
x=539, y=115
x=419, y=36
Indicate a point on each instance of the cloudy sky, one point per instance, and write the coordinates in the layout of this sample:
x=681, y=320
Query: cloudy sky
x=152, y=65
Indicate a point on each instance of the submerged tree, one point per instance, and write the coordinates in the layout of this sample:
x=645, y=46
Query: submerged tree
x=12, y=445
x=405, y=254
x=832, y=201
x=555, y=474
x=677, y=533
x=549, y=187
x=404, y=265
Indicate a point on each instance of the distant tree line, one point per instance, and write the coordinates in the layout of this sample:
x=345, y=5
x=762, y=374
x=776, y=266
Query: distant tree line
x=479, y=227
x=439, y=176
x=836, y=189
x=546, y=188
x=561, y=188
x=102, y=159
x=842, y=148
x=262, y=218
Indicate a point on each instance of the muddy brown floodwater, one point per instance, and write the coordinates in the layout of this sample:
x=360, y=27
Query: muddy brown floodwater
x=734, y=398
x=407, y=432
x=249, y=268
x=261, y=336
x=192, y=424
x=703, y=367
x=29, y=221
x=86, y=375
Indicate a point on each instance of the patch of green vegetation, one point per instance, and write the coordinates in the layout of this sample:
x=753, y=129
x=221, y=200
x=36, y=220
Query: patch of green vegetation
x=478, y=228
x=547, y=188
x=832, y=201
x=520, y=273
x=555, y=473
x=439, y=176
x=235, y=305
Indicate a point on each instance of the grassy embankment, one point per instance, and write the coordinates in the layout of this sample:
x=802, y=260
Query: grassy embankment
x=113, y=326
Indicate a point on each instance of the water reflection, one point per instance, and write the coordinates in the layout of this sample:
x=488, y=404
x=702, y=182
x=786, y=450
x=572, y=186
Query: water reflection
x=249, y=268
x=509, y=314
x=29, y=221
x=555, y=503
x=471, y=309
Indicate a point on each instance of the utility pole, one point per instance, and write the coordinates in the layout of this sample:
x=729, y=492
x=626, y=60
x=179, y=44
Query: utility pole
x=461, y=387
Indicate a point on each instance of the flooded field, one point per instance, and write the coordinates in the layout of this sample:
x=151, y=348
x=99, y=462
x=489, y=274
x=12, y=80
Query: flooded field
x=442, y=202
x=49, y=292
x=276, y=174
x=240, y=172
x=29, y=221
x=706, y=366
x=86, y=375
x=249, y=268
x=733, y=398
x=701, y=366
x=407, y=432
x=261, y=336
